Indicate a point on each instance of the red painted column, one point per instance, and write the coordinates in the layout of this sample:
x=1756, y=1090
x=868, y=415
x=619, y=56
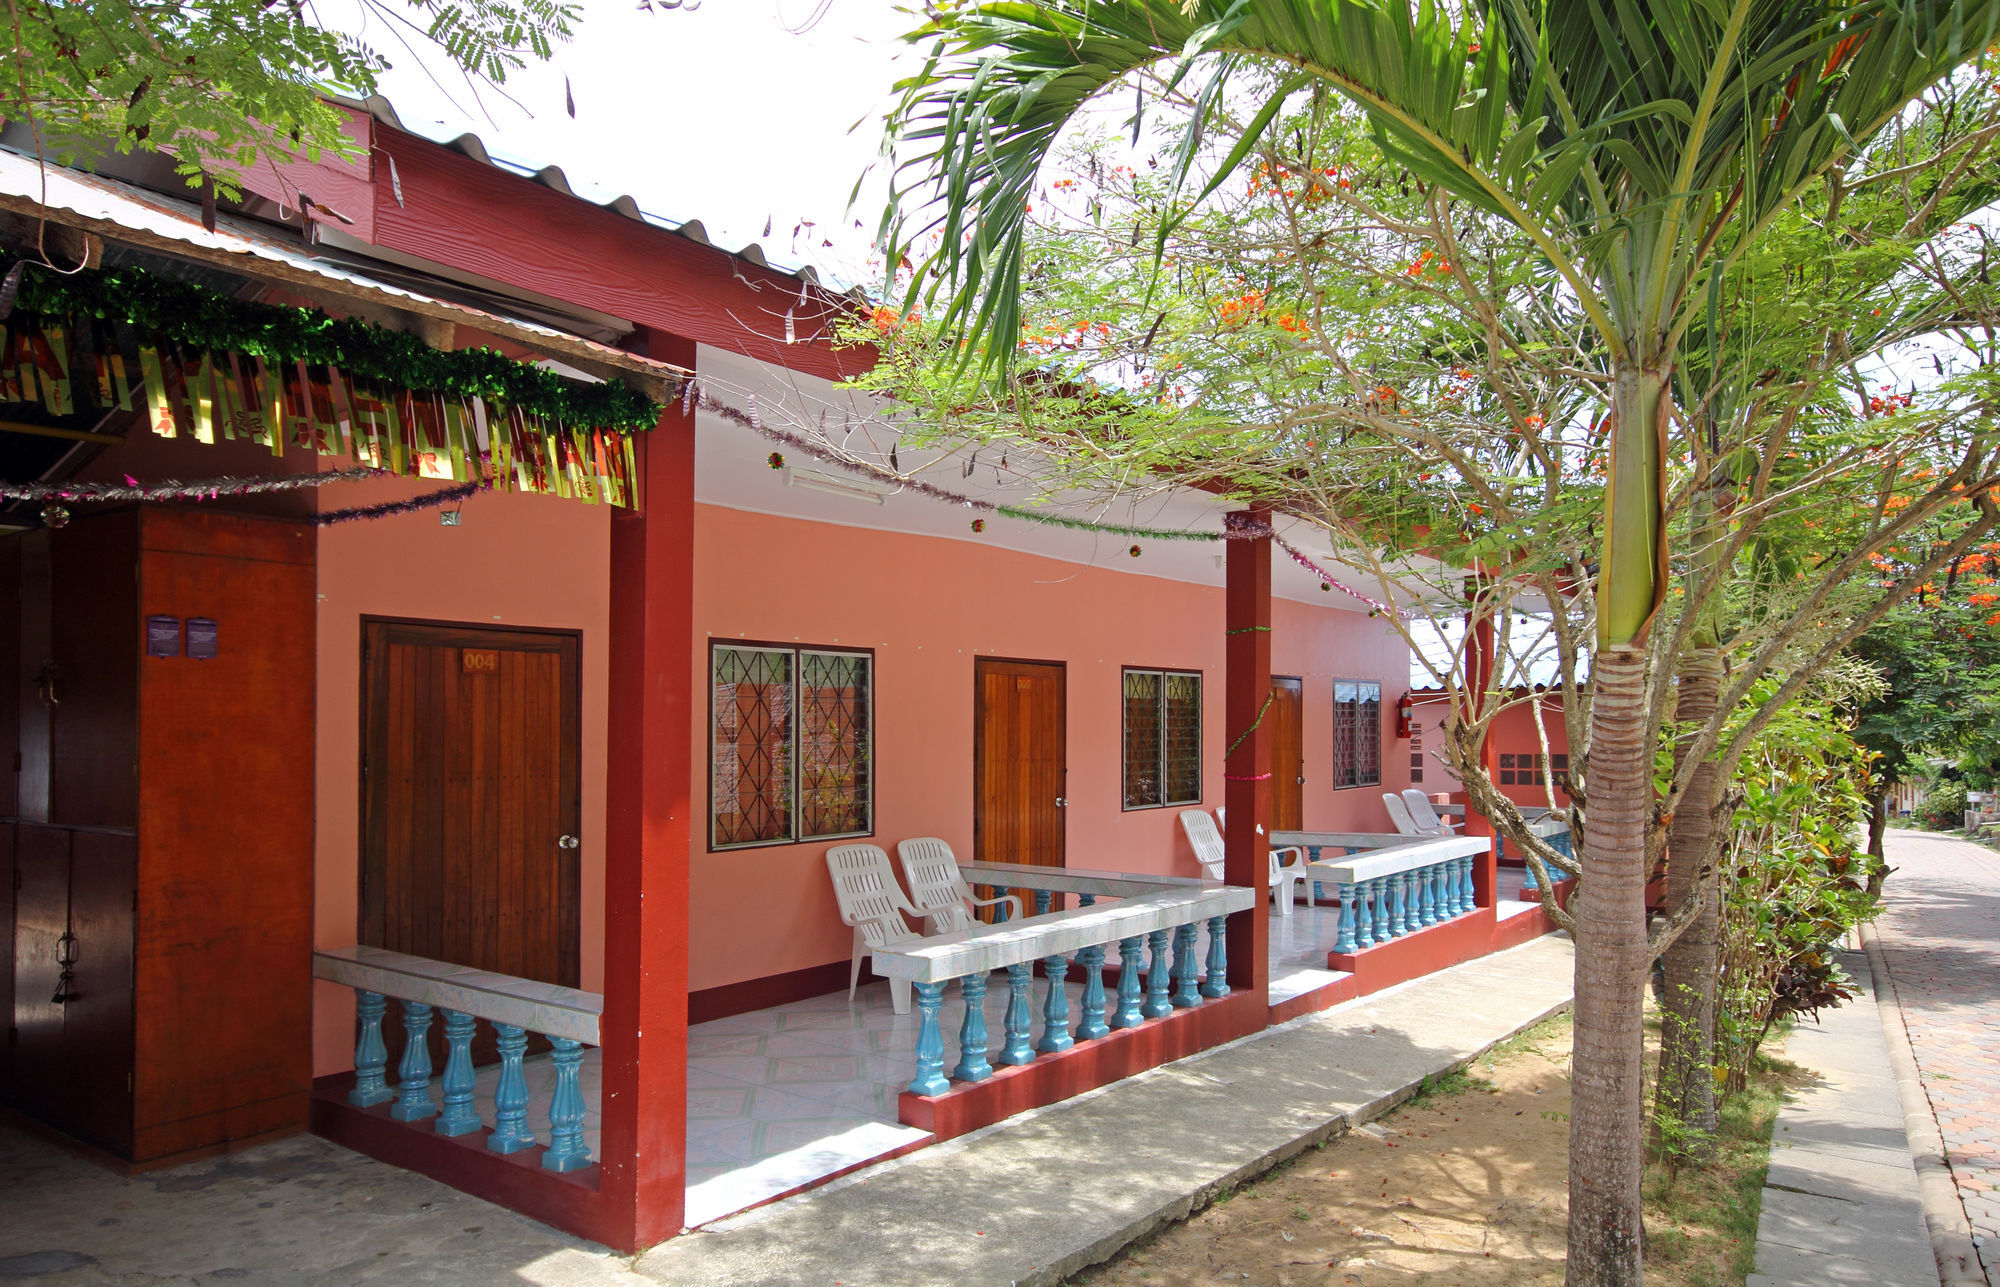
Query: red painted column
x=1479, y=665
x=1247, y=771
x=650, y=810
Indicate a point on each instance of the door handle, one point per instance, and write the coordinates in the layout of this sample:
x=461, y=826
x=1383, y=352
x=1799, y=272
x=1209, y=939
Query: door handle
x=568, y=842
x=1061, y=803
x=66, y=960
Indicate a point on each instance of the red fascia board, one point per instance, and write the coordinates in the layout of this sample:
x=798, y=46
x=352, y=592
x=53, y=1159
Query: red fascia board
x=467, y=215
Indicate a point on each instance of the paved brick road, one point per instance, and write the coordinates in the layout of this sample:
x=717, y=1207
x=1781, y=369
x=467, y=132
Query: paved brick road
x=1941, y=935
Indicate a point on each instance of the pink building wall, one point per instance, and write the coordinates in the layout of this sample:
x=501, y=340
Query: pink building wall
x=928, y=607
x=1513, y=733
x=515, y=560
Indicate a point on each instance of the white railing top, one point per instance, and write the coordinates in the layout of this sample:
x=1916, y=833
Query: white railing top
x=1079, y=880
x=547, y=1008
x=1342, y=840
x=1390, y=862
x=989, y=947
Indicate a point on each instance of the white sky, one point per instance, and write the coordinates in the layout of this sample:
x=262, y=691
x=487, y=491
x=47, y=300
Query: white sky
x=736, y=114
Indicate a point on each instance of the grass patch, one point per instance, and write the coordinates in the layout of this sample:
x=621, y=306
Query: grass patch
x=1444, y=1085
x=1701, y=1222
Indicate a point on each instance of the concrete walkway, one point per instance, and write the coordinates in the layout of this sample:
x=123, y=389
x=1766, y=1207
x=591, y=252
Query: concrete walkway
x=1841, y=1204
x=1024, y=1202
x=1939, y=935
x=1039, y=1197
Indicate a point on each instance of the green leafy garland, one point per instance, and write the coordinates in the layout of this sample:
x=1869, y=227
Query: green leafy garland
x=209, y=320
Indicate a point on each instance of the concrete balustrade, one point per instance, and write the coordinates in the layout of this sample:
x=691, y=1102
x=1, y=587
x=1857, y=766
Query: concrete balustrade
x=1166, y=915
x=424, y=989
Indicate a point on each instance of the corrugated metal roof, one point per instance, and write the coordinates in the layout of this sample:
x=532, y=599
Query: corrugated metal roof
x=552, y=176
x=123, y=212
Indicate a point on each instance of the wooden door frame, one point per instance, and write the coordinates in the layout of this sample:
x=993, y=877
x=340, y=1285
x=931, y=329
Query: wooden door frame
x=469, y=634
x=979, y=662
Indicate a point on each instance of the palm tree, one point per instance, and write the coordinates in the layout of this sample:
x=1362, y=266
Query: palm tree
x=1641, y=147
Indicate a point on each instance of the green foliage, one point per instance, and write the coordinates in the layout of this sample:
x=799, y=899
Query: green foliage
x=223, y=85
x=1943, y=808
x=1793, y=878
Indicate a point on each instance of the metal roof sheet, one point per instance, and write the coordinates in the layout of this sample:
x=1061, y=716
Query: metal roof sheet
x=552, y=176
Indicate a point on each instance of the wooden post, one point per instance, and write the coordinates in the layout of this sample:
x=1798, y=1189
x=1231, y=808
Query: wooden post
x=649, y=810
x=1246, y=788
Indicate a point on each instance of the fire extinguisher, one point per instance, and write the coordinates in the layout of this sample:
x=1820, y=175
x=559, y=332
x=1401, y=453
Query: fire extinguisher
x=1406, y=707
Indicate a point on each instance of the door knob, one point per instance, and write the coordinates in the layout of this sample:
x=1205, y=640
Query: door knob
x=1061, y=803
x=568, y=842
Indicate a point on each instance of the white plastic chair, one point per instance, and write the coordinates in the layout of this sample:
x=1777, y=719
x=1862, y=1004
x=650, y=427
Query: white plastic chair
x=873, y=903
x=1399, y=814
x=938, y=888
x=1426, y=817
x=1286, y=877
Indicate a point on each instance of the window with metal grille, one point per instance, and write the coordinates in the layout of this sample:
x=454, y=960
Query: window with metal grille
x=1357, y=733
x=791, y=746
x=1162, y=738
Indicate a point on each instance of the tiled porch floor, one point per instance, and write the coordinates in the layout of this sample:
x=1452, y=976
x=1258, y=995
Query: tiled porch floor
x=781, y=1098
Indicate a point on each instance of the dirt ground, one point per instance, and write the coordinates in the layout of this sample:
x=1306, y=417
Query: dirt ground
x=1462, y=1187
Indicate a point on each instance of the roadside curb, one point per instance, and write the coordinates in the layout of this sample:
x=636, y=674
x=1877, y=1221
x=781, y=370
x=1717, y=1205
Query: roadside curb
x=1944, y=1214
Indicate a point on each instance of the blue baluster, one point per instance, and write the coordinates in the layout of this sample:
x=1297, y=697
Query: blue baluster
x=1086, y=900
x=1055, y=1008
x=1399, y=913
x=566, y=1150
x=1528, y=880
x=1092, y=960
x=1452, y=901
x=930, y=1041
x=1131, y=985
x=1185, y=992
x=1002, y=910
x=1216, y=982
x=1364, y=916
x=1384, y=931
x=972, y=1065
x=1018, y=1038
x=1042, y=902
x=510, y=1097
x=370, y=1055
x=1344, y=938
x=1428, y=880
x=1461, y=887
x=413, y=1090
x=459, y=1116
x=1158, y=981
x=1465, y=879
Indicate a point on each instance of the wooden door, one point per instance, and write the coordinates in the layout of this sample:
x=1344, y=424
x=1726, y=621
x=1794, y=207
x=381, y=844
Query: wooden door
x=1019, y=765
x=1288, y=771
x=470, y=798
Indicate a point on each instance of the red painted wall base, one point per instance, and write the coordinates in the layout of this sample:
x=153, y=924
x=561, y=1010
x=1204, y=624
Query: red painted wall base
x=516, y=1181
x=1085, y=1066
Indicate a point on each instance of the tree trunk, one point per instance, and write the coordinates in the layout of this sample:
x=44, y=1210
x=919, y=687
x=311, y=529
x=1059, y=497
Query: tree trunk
x=1878, y=823
x=1606, y=1136
x=1684, y=1093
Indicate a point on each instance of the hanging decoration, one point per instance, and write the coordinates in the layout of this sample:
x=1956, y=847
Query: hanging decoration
x=1134, y=551
x=172, y=489
x=1246, y=528
x=387, y=509
x=751, y=420
x=978, y=524
x=206, y=366
x=54, y=515
x=775, y=461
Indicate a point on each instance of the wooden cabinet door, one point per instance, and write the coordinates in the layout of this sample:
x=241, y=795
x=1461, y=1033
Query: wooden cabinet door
x=1019, y=761
x=471, y=811
x=1288, y=773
